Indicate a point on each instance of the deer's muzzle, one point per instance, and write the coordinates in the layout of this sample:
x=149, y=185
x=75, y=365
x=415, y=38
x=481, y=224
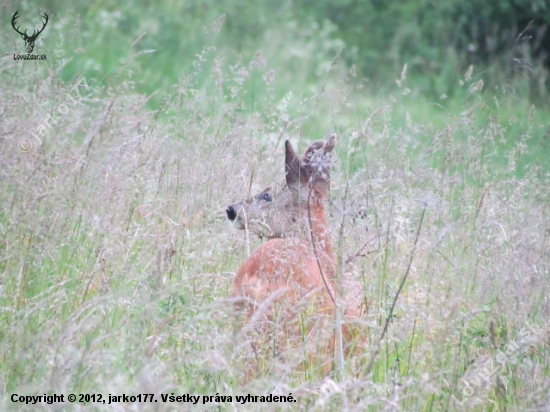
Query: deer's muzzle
x=231, y=214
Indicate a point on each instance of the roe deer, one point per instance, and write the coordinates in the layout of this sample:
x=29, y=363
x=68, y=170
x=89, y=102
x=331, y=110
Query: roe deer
x=296, y=268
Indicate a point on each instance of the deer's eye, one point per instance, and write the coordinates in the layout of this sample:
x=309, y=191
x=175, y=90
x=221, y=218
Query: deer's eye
x=266, y=197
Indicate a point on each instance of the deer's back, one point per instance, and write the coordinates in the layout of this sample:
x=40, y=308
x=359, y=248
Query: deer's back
x=289, y=264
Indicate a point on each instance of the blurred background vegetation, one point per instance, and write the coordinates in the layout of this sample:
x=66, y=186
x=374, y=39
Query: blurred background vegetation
x=429, y=60
x=507, y=41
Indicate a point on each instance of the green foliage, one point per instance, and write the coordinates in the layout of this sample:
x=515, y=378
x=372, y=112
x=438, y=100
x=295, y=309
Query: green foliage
x=507, y=41
x=440, y=39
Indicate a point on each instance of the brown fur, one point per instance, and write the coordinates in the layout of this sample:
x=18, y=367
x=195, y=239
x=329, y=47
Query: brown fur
x=297, y=266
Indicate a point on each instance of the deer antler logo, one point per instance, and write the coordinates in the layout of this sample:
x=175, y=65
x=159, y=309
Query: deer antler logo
x=29, y=40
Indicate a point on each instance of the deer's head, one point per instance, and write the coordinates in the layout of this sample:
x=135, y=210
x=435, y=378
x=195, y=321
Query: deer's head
x=282, y=210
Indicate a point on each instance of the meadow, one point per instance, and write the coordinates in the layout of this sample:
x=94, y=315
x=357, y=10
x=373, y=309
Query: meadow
x=116, y=257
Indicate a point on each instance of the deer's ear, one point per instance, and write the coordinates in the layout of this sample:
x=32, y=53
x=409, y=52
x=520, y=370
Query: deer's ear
x=319, y=148
x=317, y=160
x=292, y=166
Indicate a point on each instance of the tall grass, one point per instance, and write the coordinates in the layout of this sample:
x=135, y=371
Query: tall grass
x=116, y=258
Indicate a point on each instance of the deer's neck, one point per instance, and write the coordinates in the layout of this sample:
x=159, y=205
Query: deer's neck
x=319, y=231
